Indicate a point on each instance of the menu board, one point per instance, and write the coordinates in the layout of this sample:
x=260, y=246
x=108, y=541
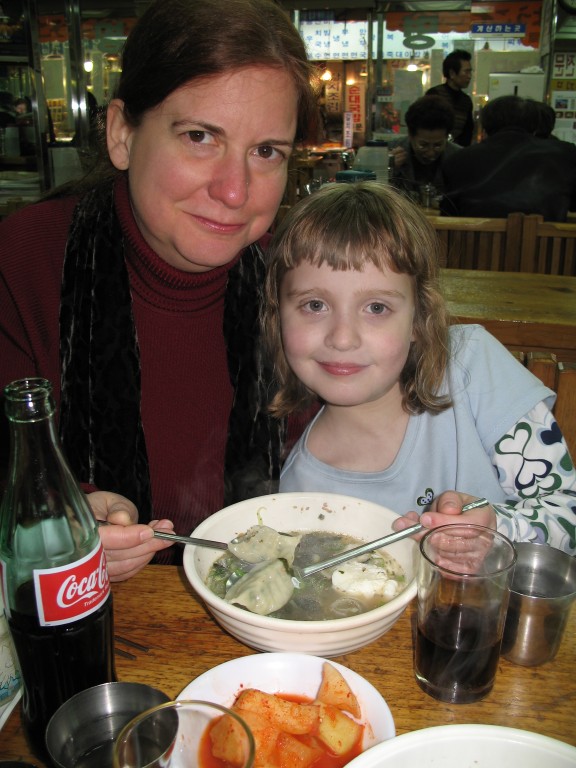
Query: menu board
x=563, y=95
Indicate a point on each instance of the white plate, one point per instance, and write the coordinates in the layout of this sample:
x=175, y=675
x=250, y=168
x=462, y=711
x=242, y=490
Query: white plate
x=468, y=746
x=291, y=673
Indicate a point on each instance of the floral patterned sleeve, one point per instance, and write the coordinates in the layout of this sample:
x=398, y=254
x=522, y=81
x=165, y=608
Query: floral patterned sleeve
x=537, y=474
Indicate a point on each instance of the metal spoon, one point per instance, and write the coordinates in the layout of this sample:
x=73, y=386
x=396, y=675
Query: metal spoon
x=181, y=539
x=190, y=540
x=175, y=537
x=281, y=580
x=297, y=574
x=300, y=573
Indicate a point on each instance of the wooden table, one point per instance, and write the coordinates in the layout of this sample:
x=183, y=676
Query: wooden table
x=157, y=608
x=525, y=311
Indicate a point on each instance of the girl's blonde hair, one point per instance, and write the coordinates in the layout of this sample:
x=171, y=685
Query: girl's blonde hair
x=345, y=226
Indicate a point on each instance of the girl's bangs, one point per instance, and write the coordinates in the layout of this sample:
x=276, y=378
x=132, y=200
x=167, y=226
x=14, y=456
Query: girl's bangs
x=342, y=242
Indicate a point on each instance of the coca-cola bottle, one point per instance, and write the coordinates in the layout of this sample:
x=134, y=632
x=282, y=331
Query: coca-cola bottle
x=52, y=565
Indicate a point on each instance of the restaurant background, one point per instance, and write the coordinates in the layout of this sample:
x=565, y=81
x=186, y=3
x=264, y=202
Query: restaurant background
x=375, y=59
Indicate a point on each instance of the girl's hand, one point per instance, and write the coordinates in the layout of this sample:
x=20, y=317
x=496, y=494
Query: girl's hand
x=128, y=545
x=405, y=522
x=446, y=509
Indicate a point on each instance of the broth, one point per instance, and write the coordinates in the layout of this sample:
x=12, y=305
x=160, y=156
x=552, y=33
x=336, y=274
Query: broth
x=318, y=599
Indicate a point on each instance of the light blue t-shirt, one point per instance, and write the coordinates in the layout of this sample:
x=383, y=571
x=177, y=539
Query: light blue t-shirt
x=490, y=391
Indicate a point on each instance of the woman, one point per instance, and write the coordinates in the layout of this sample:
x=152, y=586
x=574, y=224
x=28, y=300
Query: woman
x=138, y=297
x=418, y=159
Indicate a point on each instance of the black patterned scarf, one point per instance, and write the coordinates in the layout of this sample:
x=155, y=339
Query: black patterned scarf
x=100, y=421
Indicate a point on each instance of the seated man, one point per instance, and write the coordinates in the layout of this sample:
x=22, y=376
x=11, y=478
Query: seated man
x=418, y=159
x=511, y=169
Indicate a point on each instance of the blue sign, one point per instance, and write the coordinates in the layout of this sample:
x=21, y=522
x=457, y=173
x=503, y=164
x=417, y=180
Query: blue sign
x=497, y=29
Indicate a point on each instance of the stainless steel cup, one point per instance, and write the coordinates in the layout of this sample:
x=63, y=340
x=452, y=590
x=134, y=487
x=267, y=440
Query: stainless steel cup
x=81, y=733
x=542, y=592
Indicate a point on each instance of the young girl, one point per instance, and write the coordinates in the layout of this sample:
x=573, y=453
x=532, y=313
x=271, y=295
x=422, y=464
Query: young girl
x=417, y=415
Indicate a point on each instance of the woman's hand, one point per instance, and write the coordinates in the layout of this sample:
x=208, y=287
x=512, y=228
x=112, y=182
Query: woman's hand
x=128, y=545
x=400, y=156
x=446, y=509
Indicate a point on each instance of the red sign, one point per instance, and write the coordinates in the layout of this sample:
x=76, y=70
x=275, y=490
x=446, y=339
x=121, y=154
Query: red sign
x=355, y=105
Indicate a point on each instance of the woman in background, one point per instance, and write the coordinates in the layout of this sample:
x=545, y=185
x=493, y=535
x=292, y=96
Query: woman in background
x=418, y=159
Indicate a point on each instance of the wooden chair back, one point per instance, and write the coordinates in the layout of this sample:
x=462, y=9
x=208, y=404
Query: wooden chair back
x=518, y=243
x=471, y=243
x=548, y=247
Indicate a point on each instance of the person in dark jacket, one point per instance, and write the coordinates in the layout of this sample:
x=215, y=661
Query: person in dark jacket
x=511, y=170
x=418, y=158
x=457, y=70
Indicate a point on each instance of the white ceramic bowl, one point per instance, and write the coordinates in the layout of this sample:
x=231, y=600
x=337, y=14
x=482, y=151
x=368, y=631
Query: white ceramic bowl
x=295, y=674
x=468, y=746
x=302, y=512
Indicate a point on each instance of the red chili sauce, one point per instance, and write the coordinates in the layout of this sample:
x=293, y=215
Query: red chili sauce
x=326, y=760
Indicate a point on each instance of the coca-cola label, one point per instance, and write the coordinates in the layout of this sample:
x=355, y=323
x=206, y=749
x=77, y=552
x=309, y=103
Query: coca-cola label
x=71, y=592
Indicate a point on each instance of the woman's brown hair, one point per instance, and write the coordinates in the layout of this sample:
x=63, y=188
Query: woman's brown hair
x=345, y=226
x=177, y=41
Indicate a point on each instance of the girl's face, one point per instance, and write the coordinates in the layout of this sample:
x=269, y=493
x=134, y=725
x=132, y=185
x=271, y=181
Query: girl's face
x=347, y=334
x=207, y=167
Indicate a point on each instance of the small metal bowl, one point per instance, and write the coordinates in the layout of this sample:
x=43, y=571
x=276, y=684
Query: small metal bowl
x=83, y=730
x=542, y=592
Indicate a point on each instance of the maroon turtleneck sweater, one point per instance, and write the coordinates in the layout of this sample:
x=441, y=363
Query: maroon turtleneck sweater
x=186, y=392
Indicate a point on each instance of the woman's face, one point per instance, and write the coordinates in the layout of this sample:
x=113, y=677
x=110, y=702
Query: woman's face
x=207, y=167
x=428, y=144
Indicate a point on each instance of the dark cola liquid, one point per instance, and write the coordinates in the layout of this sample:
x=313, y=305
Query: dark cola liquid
x=57, y=662
x=457, y=655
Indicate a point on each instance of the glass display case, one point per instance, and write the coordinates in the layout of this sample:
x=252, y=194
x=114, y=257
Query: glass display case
x=57, y=68
x=24, y=133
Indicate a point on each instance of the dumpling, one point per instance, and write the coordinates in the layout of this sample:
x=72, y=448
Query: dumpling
x=261, y=543
x=264, y=589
